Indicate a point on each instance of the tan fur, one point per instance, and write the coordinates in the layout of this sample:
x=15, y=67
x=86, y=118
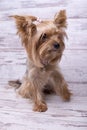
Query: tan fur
x=44, y=44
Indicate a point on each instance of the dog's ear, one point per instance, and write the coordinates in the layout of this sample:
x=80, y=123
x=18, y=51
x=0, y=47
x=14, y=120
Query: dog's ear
x=60, y=19
x=25, y=26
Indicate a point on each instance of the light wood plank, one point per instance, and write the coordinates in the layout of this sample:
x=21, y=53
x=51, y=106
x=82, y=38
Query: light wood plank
x=15, y=112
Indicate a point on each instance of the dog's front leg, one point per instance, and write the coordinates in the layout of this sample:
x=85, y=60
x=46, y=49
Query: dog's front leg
x=37, y=82
x=60, y=85
x=37, y=96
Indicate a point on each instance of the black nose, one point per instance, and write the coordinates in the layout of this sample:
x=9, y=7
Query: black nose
x=56, y=45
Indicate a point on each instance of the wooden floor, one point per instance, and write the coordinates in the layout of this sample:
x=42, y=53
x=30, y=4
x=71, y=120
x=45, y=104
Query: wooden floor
x=15, y=112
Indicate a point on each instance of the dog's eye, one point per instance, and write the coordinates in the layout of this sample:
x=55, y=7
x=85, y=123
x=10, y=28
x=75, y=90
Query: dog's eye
x=44, y=37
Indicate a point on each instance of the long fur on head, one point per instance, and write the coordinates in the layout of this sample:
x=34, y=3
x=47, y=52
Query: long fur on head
x=32, y=34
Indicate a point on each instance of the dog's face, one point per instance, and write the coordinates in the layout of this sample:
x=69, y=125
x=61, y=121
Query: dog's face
x=43, y=41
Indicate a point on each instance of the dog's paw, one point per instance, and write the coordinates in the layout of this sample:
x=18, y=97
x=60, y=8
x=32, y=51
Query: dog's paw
x=67, y=95
x=23, y=92
x=42, y=107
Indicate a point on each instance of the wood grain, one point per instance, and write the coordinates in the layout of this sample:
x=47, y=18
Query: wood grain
x=15, y=112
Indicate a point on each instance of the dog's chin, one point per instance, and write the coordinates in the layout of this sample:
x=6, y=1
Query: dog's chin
x=44, y=62
x=48, y=62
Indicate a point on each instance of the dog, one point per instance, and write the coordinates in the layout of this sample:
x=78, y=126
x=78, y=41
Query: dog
x=44, y=44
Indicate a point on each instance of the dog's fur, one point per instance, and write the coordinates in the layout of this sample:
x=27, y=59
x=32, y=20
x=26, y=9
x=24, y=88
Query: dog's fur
x=44, y=44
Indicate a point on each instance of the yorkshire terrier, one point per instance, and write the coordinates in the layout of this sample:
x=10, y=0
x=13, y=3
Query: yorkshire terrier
x=44, y=44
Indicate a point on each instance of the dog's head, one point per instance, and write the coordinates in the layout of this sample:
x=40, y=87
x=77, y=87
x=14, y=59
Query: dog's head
x=44, y=40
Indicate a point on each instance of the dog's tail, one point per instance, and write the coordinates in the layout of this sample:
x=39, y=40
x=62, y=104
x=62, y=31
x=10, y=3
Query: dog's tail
x=16, y=84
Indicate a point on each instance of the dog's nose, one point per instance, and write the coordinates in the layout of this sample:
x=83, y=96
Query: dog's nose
x=56, y=45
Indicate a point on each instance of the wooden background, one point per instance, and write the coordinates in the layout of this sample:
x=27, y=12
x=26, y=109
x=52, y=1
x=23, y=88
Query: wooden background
x=15, y=112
